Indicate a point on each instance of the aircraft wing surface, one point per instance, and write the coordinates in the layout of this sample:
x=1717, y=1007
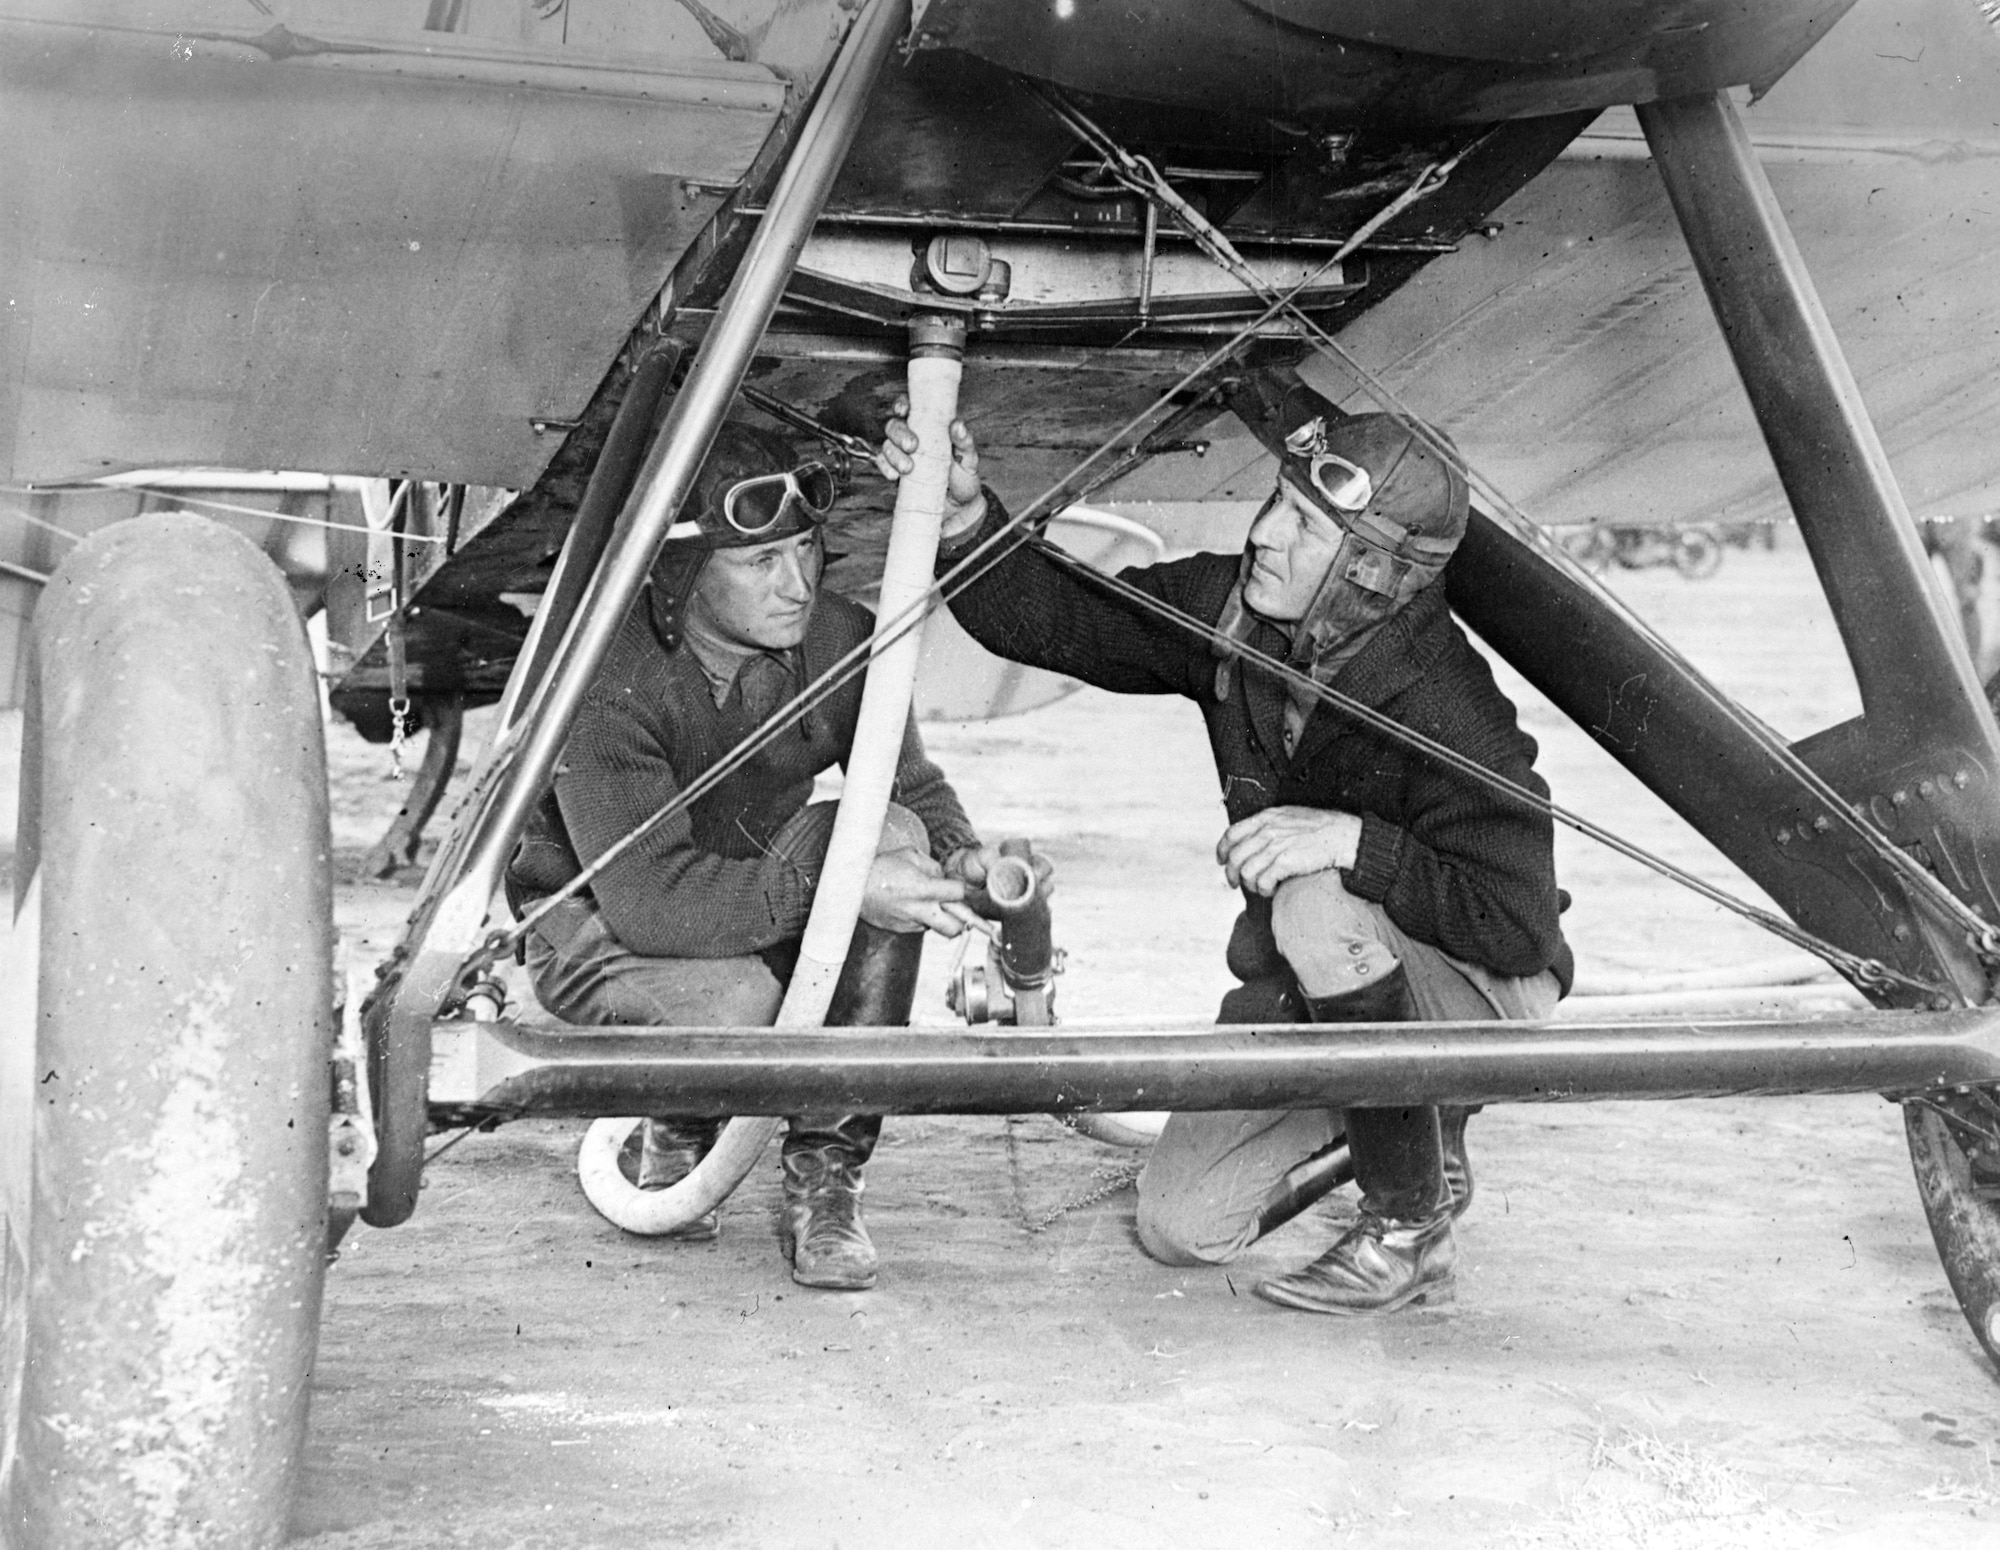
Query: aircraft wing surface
x=246, y=245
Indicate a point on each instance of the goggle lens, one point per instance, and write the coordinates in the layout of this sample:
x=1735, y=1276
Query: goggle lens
x=755, y=506
x=1346, y=485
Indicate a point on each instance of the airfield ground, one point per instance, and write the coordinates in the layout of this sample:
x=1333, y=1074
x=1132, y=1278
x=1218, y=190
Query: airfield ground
x=1679, y=1324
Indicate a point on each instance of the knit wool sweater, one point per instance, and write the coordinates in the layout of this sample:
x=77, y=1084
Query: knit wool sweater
x=1453, y=862
x=734, y=873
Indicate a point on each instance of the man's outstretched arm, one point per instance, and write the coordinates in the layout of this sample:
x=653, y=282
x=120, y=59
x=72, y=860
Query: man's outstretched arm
x=1028, y=609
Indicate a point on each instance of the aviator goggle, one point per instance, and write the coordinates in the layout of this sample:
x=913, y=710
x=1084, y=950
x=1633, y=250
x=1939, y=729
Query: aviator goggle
x=1346, y=486
x=767, y=504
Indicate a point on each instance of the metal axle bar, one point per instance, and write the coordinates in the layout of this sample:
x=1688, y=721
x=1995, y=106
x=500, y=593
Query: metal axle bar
x=905, y=1071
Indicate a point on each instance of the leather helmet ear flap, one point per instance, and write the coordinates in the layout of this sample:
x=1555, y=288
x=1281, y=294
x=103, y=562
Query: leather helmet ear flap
x=668, y=589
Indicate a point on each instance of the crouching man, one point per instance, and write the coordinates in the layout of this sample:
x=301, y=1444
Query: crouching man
x=1378, y=885
x=699, y=924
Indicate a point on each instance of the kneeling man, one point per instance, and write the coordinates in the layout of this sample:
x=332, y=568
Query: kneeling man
x=699, y=924
x=1378, y=885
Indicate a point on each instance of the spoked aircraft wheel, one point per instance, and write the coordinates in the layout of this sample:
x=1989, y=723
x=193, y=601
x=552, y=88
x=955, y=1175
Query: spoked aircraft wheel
x=163, y=1155
x=1964, y=1218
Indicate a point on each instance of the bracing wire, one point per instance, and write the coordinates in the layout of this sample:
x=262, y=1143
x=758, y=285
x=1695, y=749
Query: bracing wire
x=1865, y=972
x=42, y=522
x=1139, y=174
x=500, y=943
x=1985, y=935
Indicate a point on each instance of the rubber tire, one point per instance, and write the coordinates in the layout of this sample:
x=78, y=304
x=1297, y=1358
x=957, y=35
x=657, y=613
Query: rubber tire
x=175, y=821
x=1965, y=1228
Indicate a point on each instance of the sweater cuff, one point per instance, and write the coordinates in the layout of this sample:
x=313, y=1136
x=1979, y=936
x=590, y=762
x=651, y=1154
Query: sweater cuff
x=1377, y=859
x=950, y=840
x=949, y=549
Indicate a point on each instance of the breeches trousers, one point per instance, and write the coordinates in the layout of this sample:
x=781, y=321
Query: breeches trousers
x=1209, y=1172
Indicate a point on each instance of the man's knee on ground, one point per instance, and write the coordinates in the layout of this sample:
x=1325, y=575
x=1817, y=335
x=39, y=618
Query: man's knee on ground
x=1331, y=939
x=1175, y=1235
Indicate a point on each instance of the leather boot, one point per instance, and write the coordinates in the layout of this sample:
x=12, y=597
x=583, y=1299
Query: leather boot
x=827, y=1239
x=1400, y=1250
x=1382, y=996
x=667, y=1148
x=1302, y=1185
x=1377, y=1266
x=1374, y=989
x=1306, y=1183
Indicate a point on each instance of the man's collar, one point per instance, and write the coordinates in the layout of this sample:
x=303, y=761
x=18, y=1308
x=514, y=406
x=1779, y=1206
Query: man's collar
x=721, y=661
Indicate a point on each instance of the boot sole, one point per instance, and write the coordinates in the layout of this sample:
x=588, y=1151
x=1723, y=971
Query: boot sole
x=823, y=1280
x=833, y=1283
x=1431, y=1294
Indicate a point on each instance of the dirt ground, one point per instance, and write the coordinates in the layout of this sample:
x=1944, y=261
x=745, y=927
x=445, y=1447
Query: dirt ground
x=1678, y=1324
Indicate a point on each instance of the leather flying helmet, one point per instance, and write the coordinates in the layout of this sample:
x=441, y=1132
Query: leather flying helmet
x=1401, y=508
x=753, y=489
x=1400, y=505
